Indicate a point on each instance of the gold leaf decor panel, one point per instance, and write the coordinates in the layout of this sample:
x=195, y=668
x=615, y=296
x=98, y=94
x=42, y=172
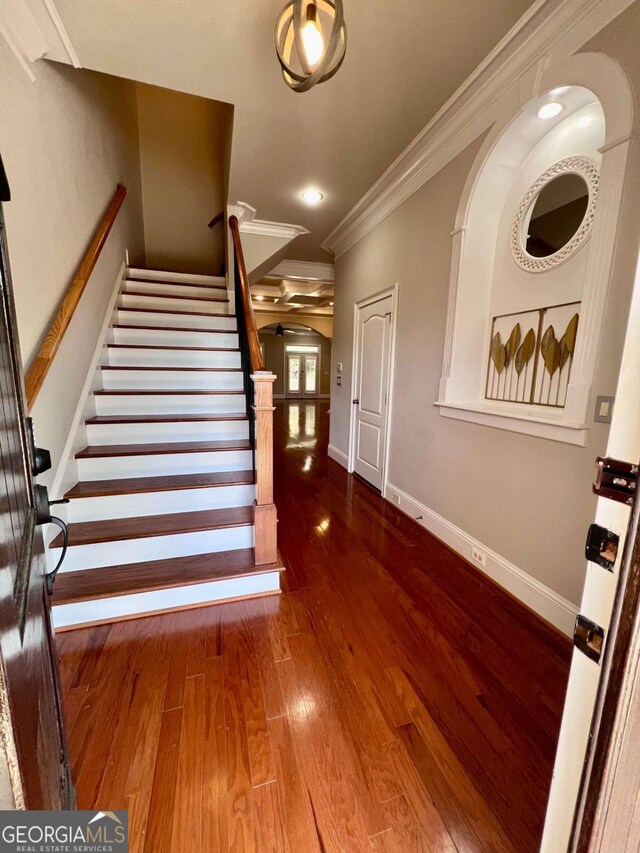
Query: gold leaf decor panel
x=530, y=355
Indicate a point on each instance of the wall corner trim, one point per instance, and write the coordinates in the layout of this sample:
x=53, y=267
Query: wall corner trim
x=338, y=456
x=548, y=30
x=63, y=35
x=550, y=606
x=249, y=224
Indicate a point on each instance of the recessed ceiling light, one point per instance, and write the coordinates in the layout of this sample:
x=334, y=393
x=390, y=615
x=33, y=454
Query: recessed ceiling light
x=331, y=303
x=260, y=298
x=550, y=110
x=312, y=197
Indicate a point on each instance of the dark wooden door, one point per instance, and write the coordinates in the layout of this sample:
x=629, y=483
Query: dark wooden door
x=35, y=756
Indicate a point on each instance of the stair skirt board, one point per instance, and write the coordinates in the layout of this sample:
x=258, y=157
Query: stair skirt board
x=97, y=555
x=175, y=598
x=167, y=431
x=171, y=319
x=133, y=505
x=169, y=302
x=165, y=380
x=181, y=277
x=123, y=356
x=168, y=404
x=169, y=288
x=164, y=464
x=138, y=335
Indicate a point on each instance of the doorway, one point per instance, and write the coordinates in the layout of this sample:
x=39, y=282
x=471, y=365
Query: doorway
x=302, y=372
x=374, y=338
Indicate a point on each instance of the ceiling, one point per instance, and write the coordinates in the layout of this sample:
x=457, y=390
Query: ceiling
x=305, y=298
x=404, y=59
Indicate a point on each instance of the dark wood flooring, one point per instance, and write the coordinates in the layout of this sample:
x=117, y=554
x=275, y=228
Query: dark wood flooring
x=392, y=699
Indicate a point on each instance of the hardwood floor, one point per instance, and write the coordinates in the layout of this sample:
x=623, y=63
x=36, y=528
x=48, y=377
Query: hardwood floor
x=392, y=699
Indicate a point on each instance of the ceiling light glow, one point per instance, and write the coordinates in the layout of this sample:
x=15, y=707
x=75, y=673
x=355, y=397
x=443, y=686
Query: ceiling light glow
x=312, y=197
x=550, y=110
x=260, y=298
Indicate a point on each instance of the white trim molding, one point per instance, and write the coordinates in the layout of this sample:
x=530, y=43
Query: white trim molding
x=304, y=271
x=250, y=225
x=338, y=456
x=550, y=28
x=552, y=607
x=33, y=31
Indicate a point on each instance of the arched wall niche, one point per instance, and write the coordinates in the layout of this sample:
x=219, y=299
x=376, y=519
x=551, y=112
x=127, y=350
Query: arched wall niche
x=486, y=280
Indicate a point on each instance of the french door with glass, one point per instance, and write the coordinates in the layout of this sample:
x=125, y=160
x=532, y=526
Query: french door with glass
x=302, y=375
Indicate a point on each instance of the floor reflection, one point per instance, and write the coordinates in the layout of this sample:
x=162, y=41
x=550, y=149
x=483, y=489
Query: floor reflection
x=302, y=425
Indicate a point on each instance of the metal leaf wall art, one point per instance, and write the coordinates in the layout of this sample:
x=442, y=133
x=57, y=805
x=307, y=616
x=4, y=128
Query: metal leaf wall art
x=532, y=366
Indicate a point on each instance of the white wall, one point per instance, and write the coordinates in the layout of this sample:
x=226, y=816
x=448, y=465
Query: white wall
x=66, y=141
x=528, y=499
x=183, y=142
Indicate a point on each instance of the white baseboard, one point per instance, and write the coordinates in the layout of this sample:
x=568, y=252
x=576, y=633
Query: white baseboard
x=338, y=456
x=540, y=598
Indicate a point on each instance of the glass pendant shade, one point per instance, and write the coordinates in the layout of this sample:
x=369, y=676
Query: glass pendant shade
x=311, y=42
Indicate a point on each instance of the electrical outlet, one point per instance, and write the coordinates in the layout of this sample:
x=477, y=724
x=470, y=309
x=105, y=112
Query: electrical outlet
x=478, y=557
x=395, y=498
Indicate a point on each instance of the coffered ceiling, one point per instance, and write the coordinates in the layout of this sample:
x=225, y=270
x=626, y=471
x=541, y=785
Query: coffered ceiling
x=293, y=297
x=404, y=59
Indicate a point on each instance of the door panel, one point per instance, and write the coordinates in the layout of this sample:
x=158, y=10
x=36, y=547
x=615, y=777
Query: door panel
x=29, y=687
x=311, y=375
x=294, y=368
x=372, y=371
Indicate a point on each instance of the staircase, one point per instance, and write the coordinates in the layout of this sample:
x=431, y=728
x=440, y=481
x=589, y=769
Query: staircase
x=164, y=513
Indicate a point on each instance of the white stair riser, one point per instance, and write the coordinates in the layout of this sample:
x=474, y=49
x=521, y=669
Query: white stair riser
x=186, y=277
x=101, y=554
x=170, y=431
x=171, y=320
x=154, y=337
x=169, y=288
x=168, y=380
x=173, y=303
x=158, y=503
x=172, y=358
x=168, y=404
x=163, y=464
x=104, y=609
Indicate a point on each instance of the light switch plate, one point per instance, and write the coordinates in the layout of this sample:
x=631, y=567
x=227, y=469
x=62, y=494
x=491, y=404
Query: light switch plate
x=338, y=380
x=604, y=410
x=339, y=367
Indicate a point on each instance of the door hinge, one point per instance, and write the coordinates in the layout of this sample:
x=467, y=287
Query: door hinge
x=588, y=637
x=615, y=479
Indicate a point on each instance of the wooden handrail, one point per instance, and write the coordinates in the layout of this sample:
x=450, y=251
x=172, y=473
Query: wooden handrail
x=247, y=306
x=42, y=362
x=216, y=219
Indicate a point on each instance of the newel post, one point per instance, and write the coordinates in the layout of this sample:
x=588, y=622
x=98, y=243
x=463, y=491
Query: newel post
x=264, y=510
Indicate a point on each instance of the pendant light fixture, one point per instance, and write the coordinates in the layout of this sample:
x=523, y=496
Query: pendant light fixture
x=311, y=41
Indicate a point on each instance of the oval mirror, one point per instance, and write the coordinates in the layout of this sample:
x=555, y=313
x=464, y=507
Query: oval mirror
x=556, y=214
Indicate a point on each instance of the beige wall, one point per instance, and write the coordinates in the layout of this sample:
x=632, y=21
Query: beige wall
x=66, y=140
x=274, y=357
x=183, y=160
x=528, y=499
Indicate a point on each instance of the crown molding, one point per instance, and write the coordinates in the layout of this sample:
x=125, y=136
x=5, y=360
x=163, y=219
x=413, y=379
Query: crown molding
x=31, y=30
x=549, y=29
x=304, y=270
x=249, y=224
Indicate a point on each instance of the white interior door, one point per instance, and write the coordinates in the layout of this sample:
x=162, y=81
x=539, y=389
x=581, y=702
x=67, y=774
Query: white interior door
x=597, y=601
x=310, y=376
x=372, y=384
x=294, y=375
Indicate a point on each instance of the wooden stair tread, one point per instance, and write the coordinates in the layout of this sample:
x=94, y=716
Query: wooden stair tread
x=178, y=349
x=144, y=527
x=127, y=579
x=162, y=367
x=129, y=392
x=175, y=328
x=148, y=295
x=165, y=419
x=173, y=311
x=174, y=283
x=98, y=451
x=167, y=483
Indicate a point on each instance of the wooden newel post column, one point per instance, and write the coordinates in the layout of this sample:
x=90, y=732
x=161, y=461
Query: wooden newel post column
x=264, y=510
